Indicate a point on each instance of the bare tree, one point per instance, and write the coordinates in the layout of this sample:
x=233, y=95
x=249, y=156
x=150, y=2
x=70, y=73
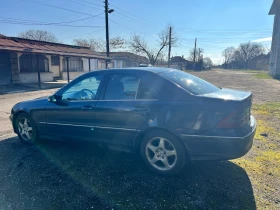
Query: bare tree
x=140, y=46
x=228, y=54
x=198, y=54
x=98, y=44
x=93, y=44
x=250, y=50
x=117, y=43
x=40, y=35
x=207, y=61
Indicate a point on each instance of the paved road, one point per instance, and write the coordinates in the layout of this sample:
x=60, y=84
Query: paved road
x=56, y=175
x=7, y=101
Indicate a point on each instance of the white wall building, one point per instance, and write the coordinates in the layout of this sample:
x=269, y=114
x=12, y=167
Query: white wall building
x=22, y=60
x=275, y=46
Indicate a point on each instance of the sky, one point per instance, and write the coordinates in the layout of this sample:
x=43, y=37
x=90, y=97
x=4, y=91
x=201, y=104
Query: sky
x=216, y=24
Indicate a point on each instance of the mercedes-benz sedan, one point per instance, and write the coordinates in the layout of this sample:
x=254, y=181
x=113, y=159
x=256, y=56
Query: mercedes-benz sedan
x=170, y=117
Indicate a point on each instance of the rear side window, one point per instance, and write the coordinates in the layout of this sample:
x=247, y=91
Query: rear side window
x=189, y=82
x=121, y=87
x=149, y=87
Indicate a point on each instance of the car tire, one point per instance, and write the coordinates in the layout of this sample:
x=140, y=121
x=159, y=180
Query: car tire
x=163, y=153
x=26, y=129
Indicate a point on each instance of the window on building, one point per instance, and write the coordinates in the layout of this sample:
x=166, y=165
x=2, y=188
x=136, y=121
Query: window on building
x=75, y=64
x=28, y=63
x=55, y=60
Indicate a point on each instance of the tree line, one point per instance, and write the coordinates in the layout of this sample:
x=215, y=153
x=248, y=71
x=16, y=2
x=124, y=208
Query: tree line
x=239, y=57
x=156, y=54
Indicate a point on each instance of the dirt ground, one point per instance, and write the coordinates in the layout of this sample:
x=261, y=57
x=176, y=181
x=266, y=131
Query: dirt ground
x=264, y=90
x=54, y=175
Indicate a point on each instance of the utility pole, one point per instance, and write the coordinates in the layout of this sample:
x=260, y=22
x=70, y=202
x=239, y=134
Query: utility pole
x=107, y=32
x=169, y=50
x=199, y=51
x=194, y=54
x=200, y=60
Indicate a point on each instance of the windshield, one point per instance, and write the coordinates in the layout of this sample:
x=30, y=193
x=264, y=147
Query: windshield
x=189, y=82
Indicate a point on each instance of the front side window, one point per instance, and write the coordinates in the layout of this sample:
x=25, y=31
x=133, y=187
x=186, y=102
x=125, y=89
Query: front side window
x=122, y=87
x=189, y=82
x=83, y=90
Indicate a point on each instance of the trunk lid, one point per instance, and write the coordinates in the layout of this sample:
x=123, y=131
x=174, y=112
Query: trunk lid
x=233, y=108
x=229, y=94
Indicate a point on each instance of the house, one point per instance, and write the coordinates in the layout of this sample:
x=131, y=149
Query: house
x=125, y=59
x=260, y=62
x=30, y=61
x=179, y=62
x=275, y=45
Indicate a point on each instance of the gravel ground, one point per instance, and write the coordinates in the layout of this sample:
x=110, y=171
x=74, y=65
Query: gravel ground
x=264, y=90
x=55, y=175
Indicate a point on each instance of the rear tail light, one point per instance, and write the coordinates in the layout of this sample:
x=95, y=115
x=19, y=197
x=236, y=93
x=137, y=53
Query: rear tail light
x=230, y=121
x=235, y=119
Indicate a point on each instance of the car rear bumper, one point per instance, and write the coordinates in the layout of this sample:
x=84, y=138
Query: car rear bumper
x=219, y=147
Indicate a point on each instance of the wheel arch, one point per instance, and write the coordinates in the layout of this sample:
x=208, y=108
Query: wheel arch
x=22, y=111
x=140, y=136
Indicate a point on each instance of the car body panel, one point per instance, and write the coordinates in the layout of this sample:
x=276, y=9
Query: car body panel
x=228, y=94
x=192, y=118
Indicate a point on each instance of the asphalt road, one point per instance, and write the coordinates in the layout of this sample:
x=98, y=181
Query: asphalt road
x=74, y=175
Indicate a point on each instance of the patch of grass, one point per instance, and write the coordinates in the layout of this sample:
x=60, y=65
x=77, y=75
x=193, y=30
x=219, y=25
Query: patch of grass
x=244, y=70
x=263, y=75
x=263, y=127
x=270, y=108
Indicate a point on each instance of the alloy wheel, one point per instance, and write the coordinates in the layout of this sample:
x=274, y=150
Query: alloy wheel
x=161, y=153
x=25, y=129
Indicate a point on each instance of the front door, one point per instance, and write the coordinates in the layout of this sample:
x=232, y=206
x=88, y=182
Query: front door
x=125, y=106
x=72, y=117
x=5, y=68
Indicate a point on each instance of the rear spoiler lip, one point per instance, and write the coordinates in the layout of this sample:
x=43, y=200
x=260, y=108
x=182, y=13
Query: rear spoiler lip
x=226, y=94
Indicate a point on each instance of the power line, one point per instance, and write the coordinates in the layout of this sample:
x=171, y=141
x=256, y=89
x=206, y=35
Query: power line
x=45, y=23
x=65, y=25
x=222, y=30
x=89, y=2
x=57, y=7
x=83, y=34
x=87, y=5
x=126, y=26
x=135, y=17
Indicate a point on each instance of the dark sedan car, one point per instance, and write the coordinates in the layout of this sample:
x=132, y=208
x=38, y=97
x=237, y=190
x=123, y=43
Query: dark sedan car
x=169, y=116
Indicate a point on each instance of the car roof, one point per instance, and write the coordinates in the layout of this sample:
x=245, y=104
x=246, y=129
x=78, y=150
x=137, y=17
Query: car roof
x=155, y=70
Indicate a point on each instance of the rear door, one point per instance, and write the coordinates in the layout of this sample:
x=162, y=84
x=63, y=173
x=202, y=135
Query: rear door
x=128, y=100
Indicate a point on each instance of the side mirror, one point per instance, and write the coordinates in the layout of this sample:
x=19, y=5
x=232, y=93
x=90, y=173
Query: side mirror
x=54, y=98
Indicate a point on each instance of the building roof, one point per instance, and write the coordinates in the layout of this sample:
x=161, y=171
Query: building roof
x=177, y=59
x=16, y=44
x=274, y=7
x=262, y=56
x=127, y=56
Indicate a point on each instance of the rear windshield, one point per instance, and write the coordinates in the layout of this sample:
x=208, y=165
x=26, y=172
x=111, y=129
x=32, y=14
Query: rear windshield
x=189, y=82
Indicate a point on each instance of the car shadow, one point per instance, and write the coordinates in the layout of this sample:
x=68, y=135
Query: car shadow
x=60, y=175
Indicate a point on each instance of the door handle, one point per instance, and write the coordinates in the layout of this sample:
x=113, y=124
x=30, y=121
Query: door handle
x=87, y=107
